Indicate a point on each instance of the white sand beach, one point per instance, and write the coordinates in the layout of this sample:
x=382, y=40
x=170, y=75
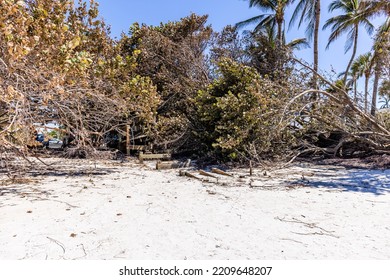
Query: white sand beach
x=109, y=210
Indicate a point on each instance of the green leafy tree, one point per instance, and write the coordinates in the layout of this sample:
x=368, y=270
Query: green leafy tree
x=240, y=114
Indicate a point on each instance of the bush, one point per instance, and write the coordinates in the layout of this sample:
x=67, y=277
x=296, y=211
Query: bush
x=240, y=114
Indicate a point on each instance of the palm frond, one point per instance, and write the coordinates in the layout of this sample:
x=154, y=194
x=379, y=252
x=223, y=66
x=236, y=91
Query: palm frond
x=352, y=33
x=250, y=21
x=299, y=10
x=298, y=44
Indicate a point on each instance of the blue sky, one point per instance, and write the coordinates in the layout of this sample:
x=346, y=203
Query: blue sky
x=120, y=14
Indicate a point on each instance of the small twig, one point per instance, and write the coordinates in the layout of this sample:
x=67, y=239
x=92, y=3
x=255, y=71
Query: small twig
x=309, y=225
x=70, y=205
x=288, y=239
x=316, y=233
x=57, y=242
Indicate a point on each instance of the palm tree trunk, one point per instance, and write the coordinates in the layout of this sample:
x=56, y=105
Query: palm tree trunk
x=353, y=54
x=366, y=93
x=280, y=36
x=315, y=47
x=375, y=88
x=355, y=89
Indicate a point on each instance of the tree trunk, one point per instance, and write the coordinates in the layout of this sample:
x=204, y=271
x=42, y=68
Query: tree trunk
x=355, y=89
x=280, y=36
x=366, y=93
x=353, y=54
x=315, y=47
x=375, y=87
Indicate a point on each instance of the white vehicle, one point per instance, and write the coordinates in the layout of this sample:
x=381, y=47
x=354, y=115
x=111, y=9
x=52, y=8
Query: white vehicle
x=54, y=144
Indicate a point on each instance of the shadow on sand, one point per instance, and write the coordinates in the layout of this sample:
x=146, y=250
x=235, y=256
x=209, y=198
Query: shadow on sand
x=376, y=182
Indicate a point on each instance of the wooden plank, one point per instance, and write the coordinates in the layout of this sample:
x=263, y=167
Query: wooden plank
x=143, y=156
x=220, y=172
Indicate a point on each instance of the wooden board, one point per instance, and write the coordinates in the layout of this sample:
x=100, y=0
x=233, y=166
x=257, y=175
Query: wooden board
x=143, y=156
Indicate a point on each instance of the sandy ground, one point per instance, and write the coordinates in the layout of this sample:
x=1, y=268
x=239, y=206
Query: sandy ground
x=109, y=210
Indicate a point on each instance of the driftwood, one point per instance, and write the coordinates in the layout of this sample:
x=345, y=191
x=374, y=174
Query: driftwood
x=220, y=172
x=204, y=173
x=188, y=174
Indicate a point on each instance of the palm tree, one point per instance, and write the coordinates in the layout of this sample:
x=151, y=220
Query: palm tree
x=386, y=102
x=381, y=55
x=348, y=22
x=354, y=75
x=363, y=66
x=272, y=39
x=273, y=19
x=267, y=54
x=309, y=11
x=384, y=92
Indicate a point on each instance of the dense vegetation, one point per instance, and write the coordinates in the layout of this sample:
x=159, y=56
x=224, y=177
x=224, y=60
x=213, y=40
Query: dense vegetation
x=180, y=85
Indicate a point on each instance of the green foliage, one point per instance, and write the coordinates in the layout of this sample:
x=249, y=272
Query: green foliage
x=240, y=112
x=141, y=99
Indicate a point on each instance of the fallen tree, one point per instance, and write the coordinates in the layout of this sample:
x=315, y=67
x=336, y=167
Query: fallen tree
x=335, y=125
